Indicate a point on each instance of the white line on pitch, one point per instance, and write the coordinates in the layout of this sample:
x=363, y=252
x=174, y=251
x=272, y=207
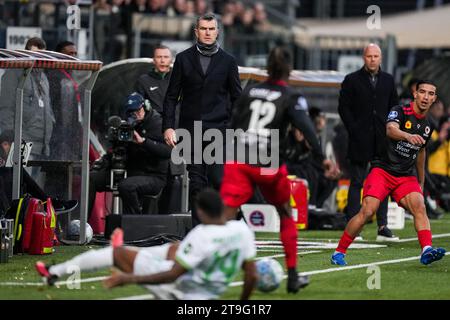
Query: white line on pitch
x=282, y=254
x=443, y=235
x=57, y=284
x=335, y=269
x=435, y=236
x=140, y=297
x=72, y=282
x=26, y=284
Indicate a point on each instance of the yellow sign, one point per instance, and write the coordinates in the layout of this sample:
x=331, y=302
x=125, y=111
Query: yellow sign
x=408, y=124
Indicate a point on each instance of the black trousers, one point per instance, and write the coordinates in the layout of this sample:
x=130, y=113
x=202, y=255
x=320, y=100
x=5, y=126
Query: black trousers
x=320, y=187
x=358, y=172
x=202, y=176
x=130, y=189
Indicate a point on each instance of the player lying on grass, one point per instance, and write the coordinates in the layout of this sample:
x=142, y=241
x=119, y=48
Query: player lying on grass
x=408, y=131
x=200, y=267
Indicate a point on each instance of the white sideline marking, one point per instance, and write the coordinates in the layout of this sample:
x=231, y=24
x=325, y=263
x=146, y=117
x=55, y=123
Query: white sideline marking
x=435, y=236
x=72, y=282
x=337, y=268
x=26, y=284
x=140, y=297
x=442, y=235
x=317, y=245
x=282, y=254
x=57, y=284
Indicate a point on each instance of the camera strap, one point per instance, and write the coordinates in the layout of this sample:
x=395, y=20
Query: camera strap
x=77, y=93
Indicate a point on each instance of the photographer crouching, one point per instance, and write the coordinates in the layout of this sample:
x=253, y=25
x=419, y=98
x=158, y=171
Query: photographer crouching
x=138, y=161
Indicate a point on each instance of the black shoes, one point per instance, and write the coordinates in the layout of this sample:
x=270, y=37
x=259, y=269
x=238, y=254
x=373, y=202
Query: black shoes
x=385, y=235
x=296, y=282
x=64, y=206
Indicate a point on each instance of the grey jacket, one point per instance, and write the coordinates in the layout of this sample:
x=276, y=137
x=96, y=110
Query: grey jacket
x=38, y=118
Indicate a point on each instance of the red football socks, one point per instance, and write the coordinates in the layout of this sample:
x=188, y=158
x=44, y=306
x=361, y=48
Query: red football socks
x=344, y=243
x=288, y=235
x=424, y=238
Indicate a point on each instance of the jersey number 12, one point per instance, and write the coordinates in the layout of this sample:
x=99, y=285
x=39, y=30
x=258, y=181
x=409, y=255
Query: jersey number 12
x=263, y=113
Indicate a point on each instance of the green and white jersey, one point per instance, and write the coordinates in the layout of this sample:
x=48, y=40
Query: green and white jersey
x=213, y=254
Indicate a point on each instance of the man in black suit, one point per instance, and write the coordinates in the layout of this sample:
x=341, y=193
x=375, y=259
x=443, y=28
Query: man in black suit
x=205, y=80
x=365, y=99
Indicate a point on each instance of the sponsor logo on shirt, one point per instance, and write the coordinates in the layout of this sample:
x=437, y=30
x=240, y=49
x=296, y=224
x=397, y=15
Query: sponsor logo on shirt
x=408, y=124
x=301, y=104
x=153, y=88
x=392, y=115
x=187, y=249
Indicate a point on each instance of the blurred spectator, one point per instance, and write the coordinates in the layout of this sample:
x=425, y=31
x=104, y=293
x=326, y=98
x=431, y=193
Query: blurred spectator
x=117, y=31
x=65, y=143
x=139, y=6
x=340, y=148
x=247, y=26
x=201, y=7
x=439, y=162
x=407, y=95
x=157, y=6
x=302, y=164
x=260, y=18
x=437, y=111
x=179, y=7
x=190, y=8
x=38, y=117
x=67, y=108
x=228, y=15
x=102, y=19
x=239, y=10
x=320, y=121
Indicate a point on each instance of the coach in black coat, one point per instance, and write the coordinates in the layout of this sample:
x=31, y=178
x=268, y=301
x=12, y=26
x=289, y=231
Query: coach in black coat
x=364, y=109
x=205, y=82
x=206, y=96
x=365, y=99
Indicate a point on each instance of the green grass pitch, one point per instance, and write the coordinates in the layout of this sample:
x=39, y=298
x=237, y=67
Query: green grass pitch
x=400, y=280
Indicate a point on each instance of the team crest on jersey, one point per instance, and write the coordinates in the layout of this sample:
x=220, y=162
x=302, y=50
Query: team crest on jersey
x=301, y=104
x=408, y=124
x=187, y=249
x=273, y=95
x=392, y=115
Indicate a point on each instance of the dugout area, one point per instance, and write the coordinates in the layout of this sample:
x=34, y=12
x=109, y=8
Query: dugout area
x=39, y=100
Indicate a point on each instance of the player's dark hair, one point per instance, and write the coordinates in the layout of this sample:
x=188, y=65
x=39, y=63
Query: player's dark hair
x=160, y=46
x=412, y=81
x=279, y=63
x=208, y=17
x=315, y=112
x=61, y=45
x=420, y=82
x=210, y=202
x=36, y=41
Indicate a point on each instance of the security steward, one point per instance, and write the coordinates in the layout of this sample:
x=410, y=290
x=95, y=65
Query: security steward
x=146, y=159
